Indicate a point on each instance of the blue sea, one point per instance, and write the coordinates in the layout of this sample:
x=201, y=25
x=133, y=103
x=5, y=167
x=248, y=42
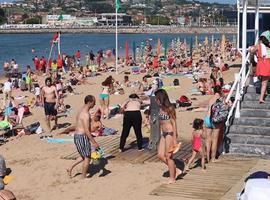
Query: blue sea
x=19, y=46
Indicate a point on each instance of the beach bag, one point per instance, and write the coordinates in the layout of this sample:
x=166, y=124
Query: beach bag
x=4, y=125
x=108, y=131
x=7, y=195
x=219, y=111
x=26, y=110
x=32, y=128
x=184, y=101
x=176, y=82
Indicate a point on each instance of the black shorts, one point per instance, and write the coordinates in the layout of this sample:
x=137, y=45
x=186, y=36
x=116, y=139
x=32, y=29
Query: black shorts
x=49, y=109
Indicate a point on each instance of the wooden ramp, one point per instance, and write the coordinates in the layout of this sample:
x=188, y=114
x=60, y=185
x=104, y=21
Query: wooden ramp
x=131, y=153
x=218, y=179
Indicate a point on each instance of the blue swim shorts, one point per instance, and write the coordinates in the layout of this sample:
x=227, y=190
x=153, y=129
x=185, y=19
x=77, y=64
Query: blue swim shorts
x=208, y=122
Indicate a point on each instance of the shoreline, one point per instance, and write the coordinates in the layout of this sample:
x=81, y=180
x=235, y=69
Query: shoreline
x=128, y=30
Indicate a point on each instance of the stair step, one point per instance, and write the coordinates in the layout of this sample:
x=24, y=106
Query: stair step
x=251, y=89
x=249, y=139
x=264, y=113
x=256, y=130
x=254, y=96
x=255, y=105
x=252, y=121
x=250, y=149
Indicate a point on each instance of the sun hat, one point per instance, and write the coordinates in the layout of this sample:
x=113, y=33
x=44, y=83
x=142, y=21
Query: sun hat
x=266, y=34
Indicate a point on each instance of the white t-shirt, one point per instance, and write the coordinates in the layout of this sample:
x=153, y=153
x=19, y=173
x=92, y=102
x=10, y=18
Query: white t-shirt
x=7, y=86
x=15, y=66
x=37, y=91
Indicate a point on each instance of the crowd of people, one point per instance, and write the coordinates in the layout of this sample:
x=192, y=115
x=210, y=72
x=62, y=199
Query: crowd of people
x=62, y=76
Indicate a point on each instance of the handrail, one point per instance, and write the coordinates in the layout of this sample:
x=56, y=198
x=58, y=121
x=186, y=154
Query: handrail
x=240, y=87
x=237, y=79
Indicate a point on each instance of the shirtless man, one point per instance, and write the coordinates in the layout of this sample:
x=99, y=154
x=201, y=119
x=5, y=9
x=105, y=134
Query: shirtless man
x=49, y=99
x=83, y=137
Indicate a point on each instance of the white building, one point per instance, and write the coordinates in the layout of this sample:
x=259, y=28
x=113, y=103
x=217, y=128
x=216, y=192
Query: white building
x=68, y=20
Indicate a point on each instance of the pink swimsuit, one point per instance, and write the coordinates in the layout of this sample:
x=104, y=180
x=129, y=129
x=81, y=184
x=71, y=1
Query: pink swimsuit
x=197, y=143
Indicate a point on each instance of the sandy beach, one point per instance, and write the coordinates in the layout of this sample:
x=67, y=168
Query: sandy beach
x=40, y=173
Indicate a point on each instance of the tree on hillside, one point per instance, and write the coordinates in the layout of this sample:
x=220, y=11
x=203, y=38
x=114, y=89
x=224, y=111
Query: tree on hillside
x=2, y=12
x=3, y=18
x=99, y=6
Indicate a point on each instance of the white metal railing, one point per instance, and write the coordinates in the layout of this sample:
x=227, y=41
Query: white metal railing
x=238, y=88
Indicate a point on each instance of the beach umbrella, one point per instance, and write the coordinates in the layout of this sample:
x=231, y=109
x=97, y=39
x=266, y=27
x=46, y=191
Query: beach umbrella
x=185, y=46
x=191, y=47
x=212, y=42
x=127, y=54
x=223, y=40
x=142, y=48
x=206, y=43
x=134, y=50
x=165, y=48
x=178, y=46
x=196, y=41
x=158, y=47
x=234, y=40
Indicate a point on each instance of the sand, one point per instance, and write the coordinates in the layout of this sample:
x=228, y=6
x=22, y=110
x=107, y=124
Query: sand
x=40, y=173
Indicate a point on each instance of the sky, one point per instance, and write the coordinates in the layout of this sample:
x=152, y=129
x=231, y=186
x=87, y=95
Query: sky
x=221, y=1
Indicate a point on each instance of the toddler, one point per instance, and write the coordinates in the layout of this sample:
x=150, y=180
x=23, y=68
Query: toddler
x=197, y=143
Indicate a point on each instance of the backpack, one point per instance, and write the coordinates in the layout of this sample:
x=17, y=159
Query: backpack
x=184, y=101
x=32, y=128
x=176, y=82
x=219, y=111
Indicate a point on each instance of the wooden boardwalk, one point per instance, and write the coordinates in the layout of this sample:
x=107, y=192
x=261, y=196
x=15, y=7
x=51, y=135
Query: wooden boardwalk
x=131, y=153
x=213, y=184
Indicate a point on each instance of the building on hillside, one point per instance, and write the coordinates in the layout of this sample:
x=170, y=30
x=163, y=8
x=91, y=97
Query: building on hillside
x=69, y=21
x=109, y=19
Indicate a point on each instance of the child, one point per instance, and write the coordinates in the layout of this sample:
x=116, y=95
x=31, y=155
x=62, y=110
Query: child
x=197, y=143
x=146, y=122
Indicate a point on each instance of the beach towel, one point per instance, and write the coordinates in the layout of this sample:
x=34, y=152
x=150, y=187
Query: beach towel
x=169, y=87
x=135, y=70
x=7, y=179
x=59, y=140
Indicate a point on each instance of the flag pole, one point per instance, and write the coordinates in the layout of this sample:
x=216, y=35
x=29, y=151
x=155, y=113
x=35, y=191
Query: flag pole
x=116, y=37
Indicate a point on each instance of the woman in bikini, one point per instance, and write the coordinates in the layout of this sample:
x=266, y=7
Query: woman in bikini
x=104, y=97
x=168, y=141
x=212, y=130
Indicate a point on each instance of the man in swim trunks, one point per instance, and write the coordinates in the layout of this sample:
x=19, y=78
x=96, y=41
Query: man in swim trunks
x=49, y=98
x=82, y=136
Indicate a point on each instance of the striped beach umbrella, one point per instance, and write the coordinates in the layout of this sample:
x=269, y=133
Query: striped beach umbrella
x=127, y=53
x=191, y=47
x=223, y=41
x=165, y=49
x=134, y=50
